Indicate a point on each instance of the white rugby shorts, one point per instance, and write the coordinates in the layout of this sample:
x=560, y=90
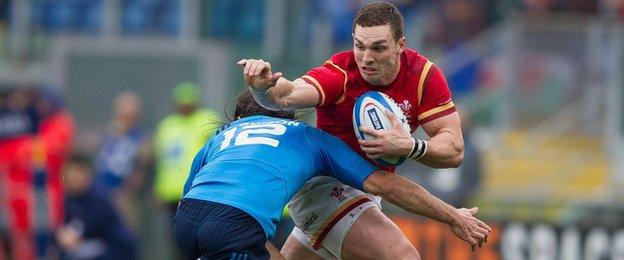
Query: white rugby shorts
x=324, y=210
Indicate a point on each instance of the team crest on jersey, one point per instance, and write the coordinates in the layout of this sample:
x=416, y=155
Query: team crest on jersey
x=406, y=106
x=337, y=192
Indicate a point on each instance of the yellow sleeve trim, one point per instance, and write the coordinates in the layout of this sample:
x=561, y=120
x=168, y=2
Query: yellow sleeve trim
x=423, y=76
x=344, y=83
x=318, y=87
x=435, y=110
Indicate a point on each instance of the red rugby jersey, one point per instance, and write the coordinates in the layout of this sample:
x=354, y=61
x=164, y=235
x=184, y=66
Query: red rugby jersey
x=420, y=89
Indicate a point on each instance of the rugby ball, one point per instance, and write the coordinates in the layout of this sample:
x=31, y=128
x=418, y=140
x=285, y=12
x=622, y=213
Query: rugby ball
x=369, y=111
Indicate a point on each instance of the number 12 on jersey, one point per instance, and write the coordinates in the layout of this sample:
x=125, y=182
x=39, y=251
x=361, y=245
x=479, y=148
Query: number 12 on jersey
x=248, y=135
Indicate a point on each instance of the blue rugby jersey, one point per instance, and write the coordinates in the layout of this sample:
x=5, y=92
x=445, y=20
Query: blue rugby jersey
x=258, y=163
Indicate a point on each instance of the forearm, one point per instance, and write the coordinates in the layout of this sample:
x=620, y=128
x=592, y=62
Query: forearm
x=444, y=150
x=274, y=92
x=287, y=95
x=409, y=196
x=415, y=199
x=273, y=98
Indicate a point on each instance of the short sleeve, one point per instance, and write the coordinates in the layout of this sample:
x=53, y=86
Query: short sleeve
x=329, y=80
x=338, y=159
x=436, y=100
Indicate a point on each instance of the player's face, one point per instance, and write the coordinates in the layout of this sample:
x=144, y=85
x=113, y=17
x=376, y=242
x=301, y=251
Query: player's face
x=377, y=54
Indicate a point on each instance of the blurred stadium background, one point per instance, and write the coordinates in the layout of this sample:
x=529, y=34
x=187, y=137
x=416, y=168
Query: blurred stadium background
x=539, y=83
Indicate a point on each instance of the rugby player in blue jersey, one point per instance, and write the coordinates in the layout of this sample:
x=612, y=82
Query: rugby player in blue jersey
x=242, y=178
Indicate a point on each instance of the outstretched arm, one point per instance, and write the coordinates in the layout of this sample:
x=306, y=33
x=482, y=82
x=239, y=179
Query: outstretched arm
x=274, y=92
x=415, y=199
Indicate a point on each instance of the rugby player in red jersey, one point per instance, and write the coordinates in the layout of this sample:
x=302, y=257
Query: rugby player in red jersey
x=334, y=220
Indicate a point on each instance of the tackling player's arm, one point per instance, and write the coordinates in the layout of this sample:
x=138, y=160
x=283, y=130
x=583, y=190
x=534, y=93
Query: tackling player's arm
x=415, y=199
x=347, y=166
x=274, y=92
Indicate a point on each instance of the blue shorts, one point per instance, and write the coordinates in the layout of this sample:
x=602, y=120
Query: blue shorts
x=210, y=230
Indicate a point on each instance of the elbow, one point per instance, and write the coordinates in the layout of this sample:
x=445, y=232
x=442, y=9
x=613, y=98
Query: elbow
x=389, y=188
x=457, y=160
x=452, y=159
x=459, y=154
x=378, y=184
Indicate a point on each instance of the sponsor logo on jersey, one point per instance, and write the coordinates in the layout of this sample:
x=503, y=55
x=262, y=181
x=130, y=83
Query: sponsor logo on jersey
x=308, y=222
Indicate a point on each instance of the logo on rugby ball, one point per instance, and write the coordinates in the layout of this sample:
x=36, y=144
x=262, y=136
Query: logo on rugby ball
x=374, y=117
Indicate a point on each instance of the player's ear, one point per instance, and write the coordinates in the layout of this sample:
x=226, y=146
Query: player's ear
x=401, y=46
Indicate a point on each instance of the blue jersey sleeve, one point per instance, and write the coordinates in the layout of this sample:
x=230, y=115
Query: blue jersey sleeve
x=195, y=167
x=338, y=159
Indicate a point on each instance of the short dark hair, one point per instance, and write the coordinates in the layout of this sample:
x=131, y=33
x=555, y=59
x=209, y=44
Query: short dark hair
x=247, y=106
x=380, y=13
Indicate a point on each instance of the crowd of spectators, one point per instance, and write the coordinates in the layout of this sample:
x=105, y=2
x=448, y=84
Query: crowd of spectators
x=60, y=201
